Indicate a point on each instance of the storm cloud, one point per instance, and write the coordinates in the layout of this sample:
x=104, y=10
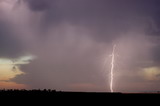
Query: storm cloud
x=72, y=38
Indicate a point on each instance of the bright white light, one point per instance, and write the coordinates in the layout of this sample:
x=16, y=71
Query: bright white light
x=112, y=69
x=19, y=61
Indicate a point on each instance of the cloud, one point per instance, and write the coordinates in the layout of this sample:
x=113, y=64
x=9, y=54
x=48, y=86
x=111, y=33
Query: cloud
x=151, y=74
x=72, y=38
x=7, y=73
x=106, y=20
x=10, y=46
x=10, y=70
x=69, y=57
x=39, y=5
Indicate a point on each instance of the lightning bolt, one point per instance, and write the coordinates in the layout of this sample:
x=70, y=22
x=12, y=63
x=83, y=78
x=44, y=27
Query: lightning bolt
x=112, y=69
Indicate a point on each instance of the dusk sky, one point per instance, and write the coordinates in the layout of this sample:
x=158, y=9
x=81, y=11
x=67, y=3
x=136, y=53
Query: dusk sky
x=67, y=45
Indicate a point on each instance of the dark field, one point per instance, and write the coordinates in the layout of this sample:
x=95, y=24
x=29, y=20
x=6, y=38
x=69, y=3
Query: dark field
x=49, y=92
x=64, y=97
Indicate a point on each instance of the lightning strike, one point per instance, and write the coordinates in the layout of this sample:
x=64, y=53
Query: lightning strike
x=112, y=69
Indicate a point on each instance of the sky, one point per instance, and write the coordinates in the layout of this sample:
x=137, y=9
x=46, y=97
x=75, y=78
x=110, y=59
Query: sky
x=66, y=45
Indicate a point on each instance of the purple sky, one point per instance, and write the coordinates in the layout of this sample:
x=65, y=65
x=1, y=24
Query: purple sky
x=71, y=39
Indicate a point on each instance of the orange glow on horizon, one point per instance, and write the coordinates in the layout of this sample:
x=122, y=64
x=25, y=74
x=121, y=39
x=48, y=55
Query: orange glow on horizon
x=7, y=73
x=12, y=85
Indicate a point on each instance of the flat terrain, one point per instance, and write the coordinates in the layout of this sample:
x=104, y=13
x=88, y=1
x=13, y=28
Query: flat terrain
x=61, y=97
x=66, y=93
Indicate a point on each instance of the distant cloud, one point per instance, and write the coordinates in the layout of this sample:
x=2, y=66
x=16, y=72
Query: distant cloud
x=151, y=73
x=7, y=73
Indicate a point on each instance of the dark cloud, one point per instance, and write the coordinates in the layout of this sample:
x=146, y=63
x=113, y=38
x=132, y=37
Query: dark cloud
x=39, y=5
x=156, y=56
x=63, y=66
x=65, y=54
x=10, y=45
x=105, y=19
x=72, y=39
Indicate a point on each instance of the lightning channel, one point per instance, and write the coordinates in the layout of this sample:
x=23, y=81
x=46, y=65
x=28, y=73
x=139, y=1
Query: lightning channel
x=112, y=69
